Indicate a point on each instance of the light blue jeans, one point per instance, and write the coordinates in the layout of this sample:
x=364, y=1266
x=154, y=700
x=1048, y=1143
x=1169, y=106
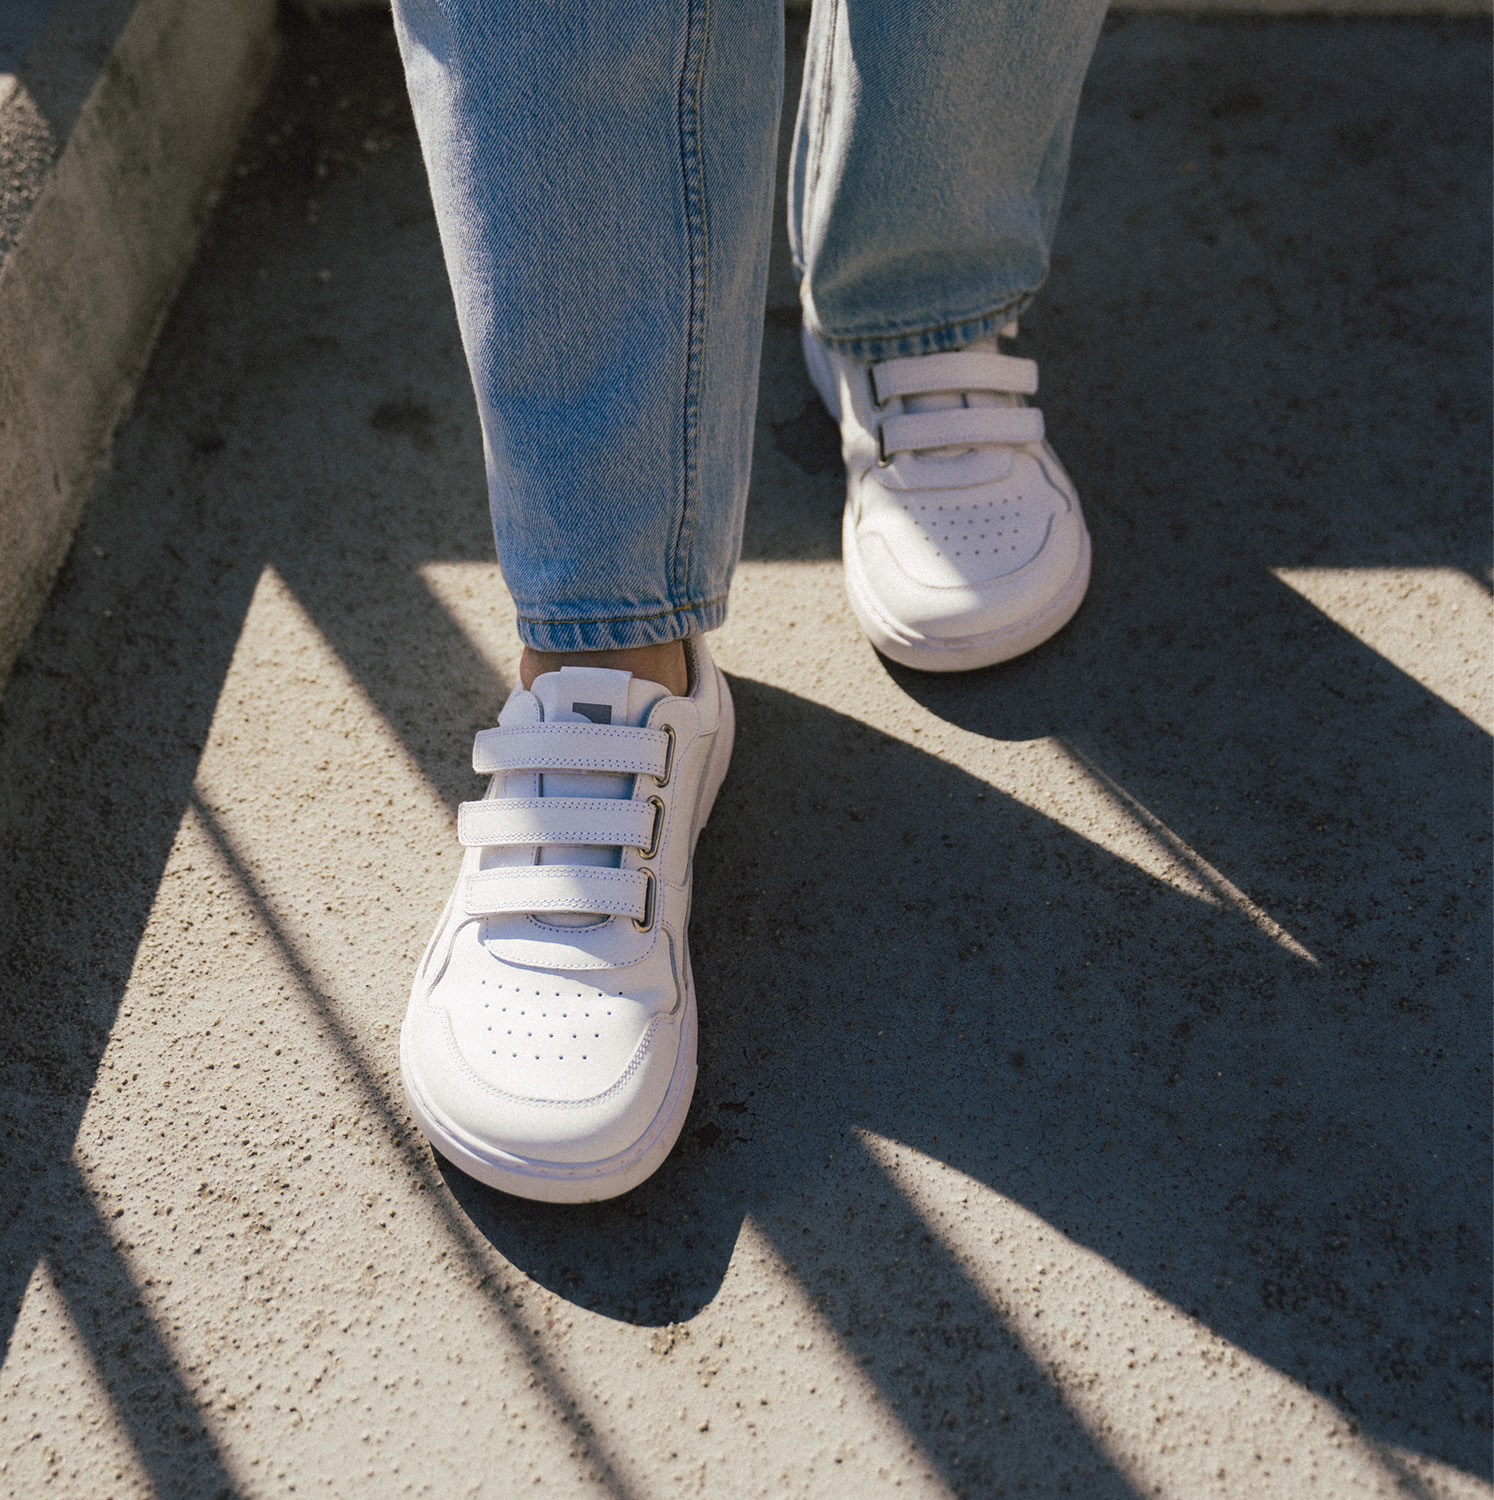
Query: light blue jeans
x=602, y=172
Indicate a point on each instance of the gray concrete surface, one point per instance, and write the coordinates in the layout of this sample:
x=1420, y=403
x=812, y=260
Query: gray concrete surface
x=1095, y=1050
x=117, y=121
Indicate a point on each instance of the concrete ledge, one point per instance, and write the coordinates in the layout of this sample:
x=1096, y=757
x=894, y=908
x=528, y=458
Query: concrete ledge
x=117, y=121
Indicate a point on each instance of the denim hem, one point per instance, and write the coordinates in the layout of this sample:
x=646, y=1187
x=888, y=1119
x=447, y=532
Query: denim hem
x=622, y=632
x=938, y=340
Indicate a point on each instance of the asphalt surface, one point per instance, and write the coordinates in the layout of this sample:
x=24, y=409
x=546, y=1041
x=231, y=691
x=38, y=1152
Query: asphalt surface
x=1094, y=1088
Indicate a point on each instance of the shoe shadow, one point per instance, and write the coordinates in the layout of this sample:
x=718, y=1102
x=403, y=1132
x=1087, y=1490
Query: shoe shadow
x=884, y=942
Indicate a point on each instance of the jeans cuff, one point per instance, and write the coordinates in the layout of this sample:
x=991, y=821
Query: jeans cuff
x=939, y=340
x=620, y=632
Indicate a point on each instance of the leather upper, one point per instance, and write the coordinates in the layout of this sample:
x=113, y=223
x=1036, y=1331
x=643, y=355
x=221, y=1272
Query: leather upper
x=541, y=1032
x=961, y=518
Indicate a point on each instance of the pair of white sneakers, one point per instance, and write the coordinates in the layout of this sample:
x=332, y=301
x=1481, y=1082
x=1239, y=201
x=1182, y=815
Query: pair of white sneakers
x=549, y=1047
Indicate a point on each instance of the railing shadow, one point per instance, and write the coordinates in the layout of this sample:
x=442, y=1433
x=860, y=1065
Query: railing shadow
x=1287, y=1151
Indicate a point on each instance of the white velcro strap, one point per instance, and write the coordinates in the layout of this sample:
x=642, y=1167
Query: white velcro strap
x=580, y=888
x=965, y=427
x=554, y=820
x=571, y=747
x=967, y=370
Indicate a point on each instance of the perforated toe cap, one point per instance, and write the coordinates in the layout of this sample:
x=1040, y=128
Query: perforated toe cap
x=950, y=538
x=540, y=1064
x=959, y=610
x=531, y=1105
x=536, y=1036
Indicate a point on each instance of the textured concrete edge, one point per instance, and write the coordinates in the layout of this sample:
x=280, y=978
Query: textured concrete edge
x=88, y=284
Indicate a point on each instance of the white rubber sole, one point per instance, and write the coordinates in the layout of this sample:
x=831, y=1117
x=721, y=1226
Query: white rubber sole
x=592, y=1182
x=924, y=653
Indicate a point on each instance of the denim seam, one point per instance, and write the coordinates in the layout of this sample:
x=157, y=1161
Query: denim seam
x=697, y=230
x=827, y=64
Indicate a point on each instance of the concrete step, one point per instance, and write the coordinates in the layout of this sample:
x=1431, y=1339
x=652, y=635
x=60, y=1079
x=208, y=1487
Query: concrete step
x=118, y=119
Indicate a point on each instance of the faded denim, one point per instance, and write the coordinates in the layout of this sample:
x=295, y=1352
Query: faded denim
x=602, y=172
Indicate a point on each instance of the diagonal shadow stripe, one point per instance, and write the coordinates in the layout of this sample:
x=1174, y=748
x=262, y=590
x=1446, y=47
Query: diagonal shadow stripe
x=130, y=1351
x=417, y=1158
x=374, y=620
x=984, y=1413
x=1122, y=1359
x=123, y=713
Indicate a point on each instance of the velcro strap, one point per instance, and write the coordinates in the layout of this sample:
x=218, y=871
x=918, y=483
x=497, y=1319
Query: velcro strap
x=580, y=888
x=571, y=747
x=967, y=370
x=964, y=427
x=554, y=820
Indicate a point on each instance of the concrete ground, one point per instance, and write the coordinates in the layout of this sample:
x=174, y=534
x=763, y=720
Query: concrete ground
x=1095, y=1050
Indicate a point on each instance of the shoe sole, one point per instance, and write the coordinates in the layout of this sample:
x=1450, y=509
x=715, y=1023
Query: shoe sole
x=593, y=1182
x=923, y=654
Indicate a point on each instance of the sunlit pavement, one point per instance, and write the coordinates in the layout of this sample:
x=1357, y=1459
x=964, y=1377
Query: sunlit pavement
x=1094, y=1050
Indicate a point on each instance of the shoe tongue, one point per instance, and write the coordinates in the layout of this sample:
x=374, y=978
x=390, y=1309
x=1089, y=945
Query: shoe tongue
x=598, y=695
x=601, y=695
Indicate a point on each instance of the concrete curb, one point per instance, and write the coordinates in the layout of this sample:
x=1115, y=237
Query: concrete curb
x=117, y=122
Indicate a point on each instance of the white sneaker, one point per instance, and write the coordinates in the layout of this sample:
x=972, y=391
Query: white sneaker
x=549, y=1047
x=963, y=539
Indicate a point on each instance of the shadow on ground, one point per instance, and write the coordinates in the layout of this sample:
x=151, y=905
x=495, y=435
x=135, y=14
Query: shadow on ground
x=1264, y=346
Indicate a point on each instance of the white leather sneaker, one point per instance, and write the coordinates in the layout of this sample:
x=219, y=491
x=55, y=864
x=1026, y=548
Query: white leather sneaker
x=963, y=539
x=549, y=1047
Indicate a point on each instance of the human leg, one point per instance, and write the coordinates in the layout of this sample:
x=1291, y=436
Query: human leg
x=929, y=166
x=927, y=175
x=602, y=176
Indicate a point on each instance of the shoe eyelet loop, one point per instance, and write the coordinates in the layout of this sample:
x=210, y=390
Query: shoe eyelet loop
x=646, y=922
x=878, y=402
x=647, y=851
x=663, y=781
x=884, y=459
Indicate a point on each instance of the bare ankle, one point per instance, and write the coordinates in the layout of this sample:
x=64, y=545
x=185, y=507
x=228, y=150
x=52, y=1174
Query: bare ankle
x=664, y=664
